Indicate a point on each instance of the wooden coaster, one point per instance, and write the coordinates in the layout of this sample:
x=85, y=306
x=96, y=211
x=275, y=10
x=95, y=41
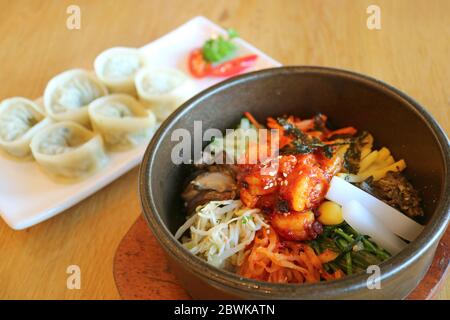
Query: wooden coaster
x=140, y=267
x=141, y=270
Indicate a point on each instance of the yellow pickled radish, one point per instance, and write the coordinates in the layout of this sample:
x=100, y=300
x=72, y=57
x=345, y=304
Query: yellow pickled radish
x=330, y=213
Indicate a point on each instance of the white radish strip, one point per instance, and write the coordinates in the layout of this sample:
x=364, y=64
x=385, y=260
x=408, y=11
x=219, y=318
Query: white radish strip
x=341, y=192
x=360, y=219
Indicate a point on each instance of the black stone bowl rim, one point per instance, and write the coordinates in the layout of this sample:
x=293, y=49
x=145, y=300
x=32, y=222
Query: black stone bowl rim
x=434, y=229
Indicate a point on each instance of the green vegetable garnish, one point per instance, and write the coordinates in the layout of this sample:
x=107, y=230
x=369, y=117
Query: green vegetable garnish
x=342, y=239
x=220, y=49
x=246, y=219
x=232, y=33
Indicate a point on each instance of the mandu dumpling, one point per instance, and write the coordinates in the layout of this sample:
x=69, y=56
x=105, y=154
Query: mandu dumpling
x=116, y=68
x=163, y=89
x=122, y=121
x=20, y=119
x=67, y=96
x=68, y=150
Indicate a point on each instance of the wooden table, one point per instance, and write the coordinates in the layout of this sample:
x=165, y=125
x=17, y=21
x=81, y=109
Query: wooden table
x=410, y=51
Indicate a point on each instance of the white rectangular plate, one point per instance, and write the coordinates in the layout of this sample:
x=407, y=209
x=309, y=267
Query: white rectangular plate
x=28, y=196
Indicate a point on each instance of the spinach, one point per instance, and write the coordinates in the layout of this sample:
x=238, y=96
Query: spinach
x=342, y=239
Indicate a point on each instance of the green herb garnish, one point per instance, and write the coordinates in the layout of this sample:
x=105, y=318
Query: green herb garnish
x=220, y=49
x=246, y=219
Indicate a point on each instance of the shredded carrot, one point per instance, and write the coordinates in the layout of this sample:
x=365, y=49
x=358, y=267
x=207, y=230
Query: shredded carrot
x=316, y=134
x=305, y=125
x=347, y=131
x=327, y=256
x=252, y=120
x=270, y=259
x=284, y=140
x=273, y=124
x=308, y=126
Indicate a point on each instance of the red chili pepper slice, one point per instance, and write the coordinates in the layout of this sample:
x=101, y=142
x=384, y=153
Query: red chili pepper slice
x=234, y=66
x=200, y=68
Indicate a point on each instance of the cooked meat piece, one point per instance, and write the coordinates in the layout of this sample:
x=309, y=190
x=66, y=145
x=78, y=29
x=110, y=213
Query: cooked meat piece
x=299, y=226
x=225, y=168
x=259, y=185
x=205, y=196
x=305, y=189
x=395, y=190
x=215, y=182
x=330, y=166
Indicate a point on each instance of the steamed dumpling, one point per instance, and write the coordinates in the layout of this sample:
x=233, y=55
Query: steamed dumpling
x=163, y=90
x=67, y=96
x=122, y=121
x=68, y=150
x=20, y=119
x=116, y=68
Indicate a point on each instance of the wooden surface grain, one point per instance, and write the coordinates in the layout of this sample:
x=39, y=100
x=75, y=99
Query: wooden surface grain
x=410, y=52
